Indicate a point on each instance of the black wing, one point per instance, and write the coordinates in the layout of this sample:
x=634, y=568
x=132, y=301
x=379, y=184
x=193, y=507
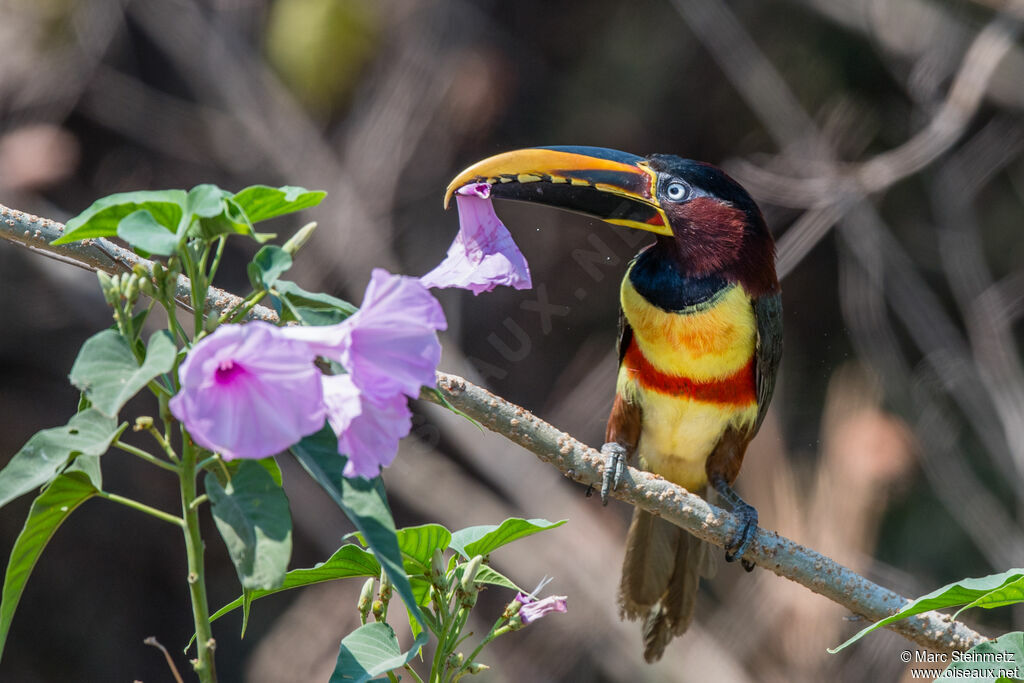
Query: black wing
x=768, y=312
x=625, y=336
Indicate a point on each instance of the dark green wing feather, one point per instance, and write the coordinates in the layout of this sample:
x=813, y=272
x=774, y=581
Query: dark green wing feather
x=625, y=336
x=768, y=313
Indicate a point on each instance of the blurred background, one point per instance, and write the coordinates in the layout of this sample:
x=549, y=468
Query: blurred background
x=884, y=140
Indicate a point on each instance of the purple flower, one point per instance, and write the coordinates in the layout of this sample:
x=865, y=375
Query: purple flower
x=390, y=350
x=534, y=609
x=368, y=432
x=248, y=391
x=483, y=254
x=389, y=346
x=252, y=390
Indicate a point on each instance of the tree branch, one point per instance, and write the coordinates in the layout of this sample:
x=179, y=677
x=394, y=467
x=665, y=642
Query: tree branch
x=36, y=234
x=573, y=458
x=651, y=492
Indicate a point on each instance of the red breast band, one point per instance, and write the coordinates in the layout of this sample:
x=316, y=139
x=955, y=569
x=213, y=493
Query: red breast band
x=739, y=388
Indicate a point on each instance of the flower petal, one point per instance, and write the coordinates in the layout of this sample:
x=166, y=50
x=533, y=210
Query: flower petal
x=368, y=432
x=532, y=610
x=392, y=344
x=247, y=391
x=483, y=254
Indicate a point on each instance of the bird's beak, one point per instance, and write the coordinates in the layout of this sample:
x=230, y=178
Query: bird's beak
x=614, y=186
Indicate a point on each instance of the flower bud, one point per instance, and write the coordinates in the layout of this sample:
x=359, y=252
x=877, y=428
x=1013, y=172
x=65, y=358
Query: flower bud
x=299, y=239
x=437, y=568
x=469, y=572
x=131, y=288
x=386, y=588
x=477, y=667
x=111, y=287
x=143, y=423
x=146, y=286
x=365, y=599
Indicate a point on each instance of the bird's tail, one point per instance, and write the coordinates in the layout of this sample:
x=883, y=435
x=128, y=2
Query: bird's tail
x=660, y=577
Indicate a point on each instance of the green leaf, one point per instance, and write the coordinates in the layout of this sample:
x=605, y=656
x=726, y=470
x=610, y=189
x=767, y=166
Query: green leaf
x=231, y=221
x=48, y=512
x=348, y=561
x=261, y=202
x=964, y=592
x=418, y=543
x=994, y=660
x=102, y=218
x=269, y=263
x=363, y=501
x=107, y=373
x=45, y=454
x=142, y=231
x=491, y=576
x=253, y=518
x=268, y=463
x=309, y=308
x=482, y=540
x=370, y=651
x=205, y=201
x=89, y=465
x=1007, y=594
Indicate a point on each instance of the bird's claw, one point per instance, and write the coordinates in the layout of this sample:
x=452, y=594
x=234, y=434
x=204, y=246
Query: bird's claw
x=614, y=467
x=747, y=515
x=740, y=541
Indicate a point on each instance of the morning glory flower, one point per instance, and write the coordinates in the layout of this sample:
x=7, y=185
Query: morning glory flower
x=483, y=254
x=368, y=432
x=390, y=350
x=389, y=346
x=533, y=609
x=248, y=391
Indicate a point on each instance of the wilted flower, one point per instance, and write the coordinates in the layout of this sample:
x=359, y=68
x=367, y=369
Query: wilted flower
x=248, y=391
x=483, y=254
x=533, y=609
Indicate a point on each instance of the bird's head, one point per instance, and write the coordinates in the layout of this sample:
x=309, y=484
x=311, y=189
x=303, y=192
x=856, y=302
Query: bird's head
x=705, y=221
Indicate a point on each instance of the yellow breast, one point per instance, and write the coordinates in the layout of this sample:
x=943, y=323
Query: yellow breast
x=685, y=355
x=713, y=340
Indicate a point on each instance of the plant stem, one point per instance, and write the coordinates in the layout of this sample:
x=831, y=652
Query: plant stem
x=128, y=448
x=164, y=444
x=142, y=507
x=203, y=663
x=234, y=315
x=216, y=259
x=412, y=672
x=440, y=664
x=197, y=283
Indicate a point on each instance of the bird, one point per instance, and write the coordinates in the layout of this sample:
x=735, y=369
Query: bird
x=699, y=346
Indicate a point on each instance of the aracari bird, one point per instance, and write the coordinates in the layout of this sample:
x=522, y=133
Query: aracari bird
x=699, y=344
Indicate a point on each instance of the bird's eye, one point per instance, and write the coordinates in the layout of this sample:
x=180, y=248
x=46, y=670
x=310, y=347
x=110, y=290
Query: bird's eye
x=677, y=191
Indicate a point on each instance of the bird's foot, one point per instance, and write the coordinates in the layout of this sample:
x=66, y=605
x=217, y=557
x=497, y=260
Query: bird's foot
x=747, y=515
x=614, y=467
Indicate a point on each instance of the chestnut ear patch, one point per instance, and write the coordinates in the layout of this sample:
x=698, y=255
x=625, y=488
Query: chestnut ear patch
x=709, y=233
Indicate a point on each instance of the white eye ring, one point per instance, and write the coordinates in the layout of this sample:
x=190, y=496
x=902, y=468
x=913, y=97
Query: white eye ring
x=676, y=191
